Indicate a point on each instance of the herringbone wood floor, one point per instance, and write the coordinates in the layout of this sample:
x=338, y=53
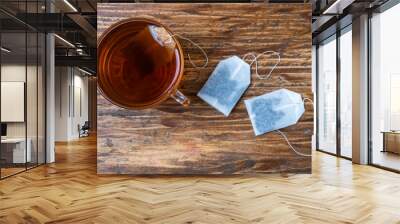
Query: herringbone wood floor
x=69, y=191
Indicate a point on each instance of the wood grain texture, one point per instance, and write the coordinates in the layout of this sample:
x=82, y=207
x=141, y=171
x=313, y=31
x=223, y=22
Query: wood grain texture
x=171, y=139
x=70, y=191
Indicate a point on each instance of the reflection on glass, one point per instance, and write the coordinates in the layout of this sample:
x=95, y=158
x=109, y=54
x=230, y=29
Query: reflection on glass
x=327, y=96
x=14, y=153
x=22, y=90
x=346, y=94
x=385, y=92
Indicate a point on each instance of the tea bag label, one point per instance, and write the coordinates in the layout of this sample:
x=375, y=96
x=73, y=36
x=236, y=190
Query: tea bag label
x=161, y=35
x=226, y=85
x=275, y=110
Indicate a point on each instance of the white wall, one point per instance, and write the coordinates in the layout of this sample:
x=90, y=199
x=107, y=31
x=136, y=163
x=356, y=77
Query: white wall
x=70, y=83
x=61, y=103
x=16, y=73
x=81, y=103
x=13, y=101
x=12, y=73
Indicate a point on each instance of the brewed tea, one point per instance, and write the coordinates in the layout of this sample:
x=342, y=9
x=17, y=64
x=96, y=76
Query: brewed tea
x=140, y=63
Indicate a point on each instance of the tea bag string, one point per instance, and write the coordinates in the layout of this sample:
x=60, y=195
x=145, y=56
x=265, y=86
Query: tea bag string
x=255, y=60
x=291, y=146
x=198, y=46
x=287, y=140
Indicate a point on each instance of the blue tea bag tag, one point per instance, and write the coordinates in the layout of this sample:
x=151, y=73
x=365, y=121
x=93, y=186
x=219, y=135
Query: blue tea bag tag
x=226, y=85
x=275, y=110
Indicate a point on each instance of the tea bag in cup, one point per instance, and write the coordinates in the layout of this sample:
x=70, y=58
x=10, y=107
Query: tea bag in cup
x=275, y=110
x=153, y=51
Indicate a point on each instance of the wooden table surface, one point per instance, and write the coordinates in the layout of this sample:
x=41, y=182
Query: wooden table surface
x=171, y=139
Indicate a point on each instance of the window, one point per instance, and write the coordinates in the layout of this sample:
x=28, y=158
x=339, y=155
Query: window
x=335, y=74
x=327, y=96
x=346, y=92
x=385, y=89
x=22, y=77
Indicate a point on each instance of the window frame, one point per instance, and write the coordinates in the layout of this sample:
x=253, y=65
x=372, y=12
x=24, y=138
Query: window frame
x=337, y=35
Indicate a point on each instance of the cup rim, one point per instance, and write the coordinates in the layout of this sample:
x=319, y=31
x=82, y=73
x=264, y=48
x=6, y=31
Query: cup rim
x=169, y=91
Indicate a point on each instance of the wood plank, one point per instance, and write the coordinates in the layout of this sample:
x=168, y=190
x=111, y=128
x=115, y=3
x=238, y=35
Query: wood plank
x=171, y=139
x=70, y=191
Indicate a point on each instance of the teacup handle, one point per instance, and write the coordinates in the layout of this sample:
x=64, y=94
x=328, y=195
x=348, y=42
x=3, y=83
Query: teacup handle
x=180, y=98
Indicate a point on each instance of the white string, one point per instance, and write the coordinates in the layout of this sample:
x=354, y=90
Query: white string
x=256, y=61
x=198, y=46
x=249, y=54
x=287, y=140
x=290, y=145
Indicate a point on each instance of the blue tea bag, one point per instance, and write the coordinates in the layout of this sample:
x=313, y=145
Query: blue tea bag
x=275, y=110
x=226, y=85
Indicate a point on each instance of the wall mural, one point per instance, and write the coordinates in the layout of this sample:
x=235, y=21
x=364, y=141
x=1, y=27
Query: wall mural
x=146, y=126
